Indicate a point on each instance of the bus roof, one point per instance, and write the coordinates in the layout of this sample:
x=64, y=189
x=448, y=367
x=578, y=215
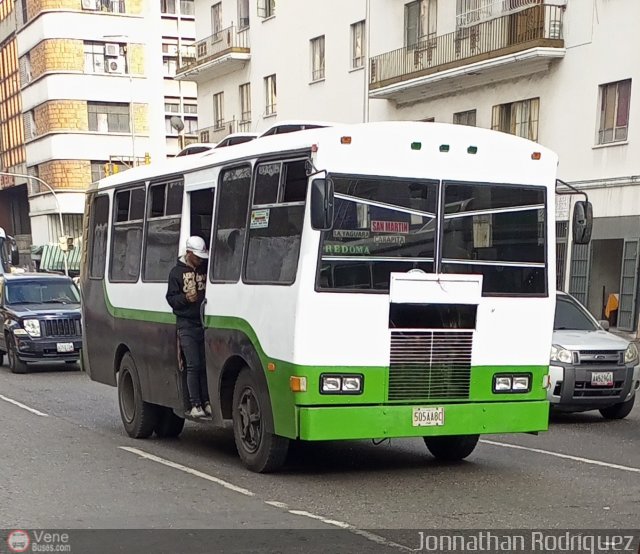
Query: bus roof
x=394, y=139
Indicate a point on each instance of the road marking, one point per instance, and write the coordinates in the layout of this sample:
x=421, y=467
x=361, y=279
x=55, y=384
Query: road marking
x=23, y=406
x=186, y=469
x=280, y=505
x=565, y=456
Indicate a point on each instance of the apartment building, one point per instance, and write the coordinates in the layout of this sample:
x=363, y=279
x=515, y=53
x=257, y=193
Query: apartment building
x=561, y=72
x=87, y=88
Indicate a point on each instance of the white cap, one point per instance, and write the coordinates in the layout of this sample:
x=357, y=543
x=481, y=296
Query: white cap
x=197, y=246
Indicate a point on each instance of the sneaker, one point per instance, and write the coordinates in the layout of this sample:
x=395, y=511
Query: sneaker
x=196, y=412
x=207, y=409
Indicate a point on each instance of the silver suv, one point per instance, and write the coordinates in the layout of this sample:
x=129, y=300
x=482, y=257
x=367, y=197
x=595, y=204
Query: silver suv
x=590, y=369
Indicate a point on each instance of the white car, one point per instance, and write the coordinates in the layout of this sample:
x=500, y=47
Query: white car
x=590, y=369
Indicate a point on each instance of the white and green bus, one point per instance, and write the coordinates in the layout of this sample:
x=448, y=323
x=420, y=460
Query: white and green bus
x=366, y=281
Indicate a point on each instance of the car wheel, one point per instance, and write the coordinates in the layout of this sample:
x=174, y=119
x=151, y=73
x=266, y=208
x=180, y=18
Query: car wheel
x=169, y=424
x=258, y=449
x=138, y=417
x=451, y=449
x=619, y=411
x=15, y=364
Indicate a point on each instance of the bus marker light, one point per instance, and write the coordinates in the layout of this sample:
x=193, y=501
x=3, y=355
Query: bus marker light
x=271, y=366
x=472, y=150
x=536, y=155
x=416, y=145
x=314, y=148
x=345, y=140
x=298, y=384
x=444, y=148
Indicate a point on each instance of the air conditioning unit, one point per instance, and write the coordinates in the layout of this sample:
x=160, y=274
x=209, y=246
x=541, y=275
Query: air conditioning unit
x=89, y=4
x=112, y=50
x=115, y=65
x=244, y=22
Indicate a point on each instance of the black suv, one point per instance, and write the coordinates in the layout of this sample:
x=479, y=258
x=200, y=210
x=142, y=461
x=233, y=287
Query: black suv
x=40, y=318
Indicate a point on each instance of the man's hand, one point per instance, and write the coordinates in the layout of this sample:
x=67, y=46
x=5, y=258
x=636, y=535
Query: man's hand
x=192, y=296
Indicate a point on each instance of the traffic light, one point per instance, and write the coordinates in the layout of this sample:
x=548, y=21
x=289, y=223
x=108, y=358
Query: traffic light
x=147, y=158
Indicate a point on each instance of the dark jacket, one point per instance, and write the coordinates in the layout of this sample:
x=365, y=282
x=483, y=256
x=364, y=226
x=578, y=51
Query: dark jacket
x=181, y=279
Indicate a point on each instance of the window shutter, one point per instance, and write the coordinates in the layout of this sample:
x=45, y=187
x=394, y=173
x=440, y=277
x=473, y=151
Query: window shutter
x=411, y=14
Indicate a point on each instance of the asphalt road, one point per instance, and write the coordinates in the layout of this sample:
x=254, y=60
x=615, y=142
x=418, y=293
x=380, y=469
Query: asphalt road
x=71, y=465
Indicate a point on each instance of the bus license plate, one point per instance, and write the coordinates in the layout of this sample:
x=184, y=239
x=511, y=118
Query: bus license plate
x=64, y=346
x=428, y=417
x=602, y=379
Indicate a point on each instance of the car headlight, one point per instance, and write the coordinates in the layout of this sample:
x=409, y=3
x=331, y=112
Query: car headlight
x=559, y=354
x=32, y=326
x=631, y=353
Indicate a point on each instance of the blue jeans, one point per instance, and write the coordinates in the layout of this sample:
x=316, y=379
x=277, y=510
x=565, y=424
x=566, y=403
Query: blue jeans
x=192, y=345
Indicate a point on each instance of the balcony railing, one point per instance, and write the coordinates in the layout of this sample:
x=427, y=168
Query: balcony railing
x=225, y=41
x=216, y=133
x=536, y=26
x=491, y=9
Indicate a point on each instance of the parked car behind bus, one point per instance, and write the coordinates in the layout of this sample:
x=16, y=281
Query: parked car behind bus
x=591, y=369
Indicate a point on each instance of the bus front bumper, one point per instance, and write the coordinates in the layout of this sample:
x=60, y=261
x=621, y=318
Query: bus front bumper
x=377, y=422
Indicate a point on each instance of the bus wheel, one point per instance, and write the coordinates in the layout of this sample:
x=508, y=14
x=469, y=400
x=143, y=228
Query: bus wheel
x=451, y=449
x=139, y=417
x=169, y=425
x=258, y=449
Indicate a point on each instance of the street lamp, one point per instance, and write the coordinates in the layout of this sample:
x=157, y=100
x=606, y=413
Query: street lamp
x=55, y=197
x=127, y=59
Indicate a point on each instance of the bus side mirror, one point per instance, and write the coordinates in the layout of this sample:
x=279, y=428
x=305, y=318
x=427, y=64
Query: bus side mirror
x=322, y=204
x=582, y=222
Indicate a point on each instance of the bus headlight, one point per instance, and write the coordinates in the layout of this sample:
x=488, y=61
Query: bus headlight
x=516, y=382
x=631, y=354
x=559, y=354
x=32, y=326
x=333, y=383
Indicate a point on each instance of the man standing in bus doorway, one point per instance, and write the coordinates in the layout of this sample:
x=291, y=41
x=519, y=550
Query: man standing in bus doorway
x=185, y=294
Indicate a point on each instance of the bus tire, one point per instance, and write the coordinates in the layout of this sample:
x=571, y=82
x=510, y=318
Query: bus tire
x=620, y=410
x=169, y=425
x=138, y=417
x=259, y=450
x=15, y=364
x=452, y=449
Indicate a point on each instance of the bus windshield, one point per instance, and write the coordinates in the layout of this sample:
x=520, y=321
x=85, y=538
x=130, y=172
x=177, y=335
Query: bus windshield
x=385, y=225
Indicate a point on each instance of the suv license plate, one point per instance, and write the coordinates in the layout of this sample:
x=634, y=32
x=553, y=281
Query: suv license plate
x=602, y=379
x=64, y=347
x=428, y=417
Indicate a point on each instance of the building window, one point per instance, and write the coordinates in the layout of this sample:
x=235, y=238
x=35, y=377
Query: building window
x=245, y=103
x=126, y=242
x=190, y=125
x=614, y=111
x=187, y=7
x=30, y=130
x=163, y=230
x=420, y=18
x=465, y=118
x=266, y=8
x=216, y=21
x=104, y=58
x=218, y=110
x=243, y=14
x=270, y=95
x=25, y=69
x=317, y=58
x=172, y=107
x=168, y=6
x=100, y=170
x=357, y=45
x=108, y=117
x=517, y=118
x=169, y=58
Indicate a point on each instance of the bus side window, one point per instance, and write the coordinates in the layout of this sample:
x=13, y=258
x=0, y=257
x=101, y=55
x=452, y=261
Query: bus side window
x=126, y=242
x=98, y=236
x=295, y=182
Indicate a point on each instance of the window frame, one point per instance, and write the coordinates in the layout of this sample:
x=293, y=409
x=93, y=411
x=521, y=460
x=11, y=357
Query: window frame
x=498, y=118
x=128, y=187
x=603, y=97
x=270, y=86
x=245, y=102
x=317, y=51
x=148, y=218
x=277, y=204
x=107, y=105
x=218, y=111
x=107, y=242
x=465, y=114
x=357, y=62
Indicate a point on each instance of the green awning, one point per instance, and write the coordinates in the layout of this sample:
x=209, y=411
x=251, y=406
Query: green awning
x=53, y=258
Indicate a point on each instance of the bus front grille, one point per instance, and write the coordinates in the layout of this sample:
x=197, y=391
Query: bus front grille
x=430, y=365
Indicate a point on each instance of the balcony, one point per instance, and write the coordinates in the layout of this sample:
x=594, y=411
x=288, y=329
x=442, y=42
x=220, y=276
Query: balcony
x=219, y=131
x=506, y=47
x=224, y=52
